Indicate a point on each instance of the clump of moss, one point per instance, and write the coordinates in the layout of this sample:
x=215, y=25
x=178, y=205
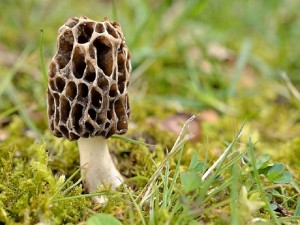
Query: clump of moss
x=34, y=172
x=130, y=156
x=29, y=190
x=290, y=153
x=63, y=156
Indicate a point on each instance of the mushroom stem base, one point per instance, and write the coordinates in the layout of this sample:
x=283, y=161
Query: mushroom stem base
x=96, y=164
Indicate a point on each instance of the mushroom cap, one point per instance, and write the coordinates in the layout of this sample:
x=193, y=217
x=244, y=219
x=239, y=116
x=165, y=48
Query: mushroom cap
x=88, y=80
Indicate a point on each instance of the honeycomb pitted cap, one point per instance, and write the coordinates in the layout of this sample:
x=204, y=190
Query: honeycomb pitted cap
x=88, y=80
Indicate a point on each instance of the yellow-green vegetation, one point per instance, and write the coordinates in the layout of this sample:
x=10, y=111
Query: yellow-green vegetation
x=234, y=64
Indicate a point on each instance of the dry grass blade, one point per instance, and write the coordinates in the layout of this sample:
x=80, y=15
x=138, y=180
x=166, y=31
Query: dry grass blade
x=181, y=139
x=223, y=156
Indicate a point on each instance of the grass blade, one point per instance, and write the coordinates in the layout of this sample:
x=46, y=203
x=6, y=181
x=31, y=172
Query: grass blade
x=66, y=182
x=12, y=94
x=114, y=12
x=259, y=184
x=10, y=75
x=218, y=166
x=165, y=187
x=240, y=64
x=223, y=156
x=181, y=139
x=42, y=61
x=234, y=195
x=176, y=174
x=116, y=136
x=139, y=210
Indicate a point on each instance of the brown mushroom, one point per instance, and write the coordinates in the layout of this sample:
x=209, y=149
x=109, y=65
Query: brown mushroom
x=87, y=94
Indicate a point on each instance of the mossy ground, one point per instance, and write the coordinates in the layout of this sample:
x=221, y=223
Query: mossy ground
x=225, y=61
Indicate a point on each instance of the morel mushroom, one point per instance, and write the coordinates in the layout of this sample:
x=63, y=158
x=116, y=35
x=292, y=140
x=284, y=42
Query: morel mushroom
x=87, y=94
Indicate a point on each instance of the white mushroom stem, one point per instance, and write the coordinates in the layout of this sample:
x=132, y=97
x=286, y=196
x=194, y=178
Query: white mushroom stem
x=96, y=164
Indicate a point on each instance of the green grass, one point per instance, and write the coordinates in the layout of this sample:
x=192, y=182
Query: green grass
x=235, y=64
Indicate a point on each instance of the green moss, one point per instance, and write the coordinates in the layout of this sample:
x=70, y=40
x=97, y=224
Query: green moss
x=28, y=184
x=289, y=153
x=143, y=111
x=63, y=155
